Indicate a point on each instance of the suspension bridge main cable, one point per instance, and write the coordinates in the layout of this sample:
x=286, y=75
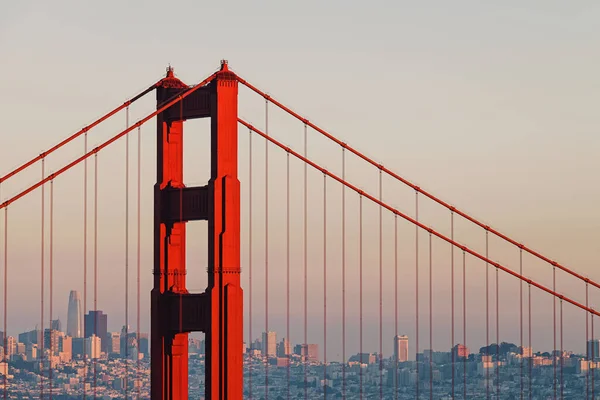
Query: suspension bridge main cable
x=412, y=185
x=78, y=133
x=418, y=224
x=106, y=143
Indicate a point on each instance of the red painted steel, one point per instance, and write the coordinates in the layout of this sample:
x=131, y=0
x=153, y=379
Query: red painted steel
x=224, y=336
x=415, y=187
x=466, y=249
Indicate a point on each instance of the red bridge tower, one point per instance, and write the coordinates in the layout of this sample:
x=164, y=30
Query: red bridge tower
x=219, y=310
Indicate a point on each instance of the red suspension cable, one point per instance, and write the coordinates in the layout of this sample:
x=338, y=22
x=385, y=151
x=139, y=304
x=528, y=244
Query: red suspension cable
x=106, y=144
x=51, y=262
x=324, y=286
x=521, y=317
x=452, y=300
x=587, y=346
x=139, y=252
x=419, y=224
x=396, y=306
x=561, y=352
x=42, y=275
x=530, y=344
x=430, y=318
x=85, y=261
x=413, y=186
x=497, y=335
x=343, y=274
x=464, y=288
x=360, y=283
x=417, y=288
x=380, y=289
x=250, y=338
x=554, y=331
x=76, y=134
x=92, y=347
x=127, y=256
x=287, y=256
x=487, y=317
x=6, y=298
x=267, y=246
x=305, y=360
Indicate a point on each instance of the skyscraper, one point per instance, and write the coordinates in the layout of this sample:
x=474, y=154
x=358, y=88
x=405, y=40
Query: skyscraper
x=401, y=348
x=100, y=331
x=269, y=344
x=74, y=328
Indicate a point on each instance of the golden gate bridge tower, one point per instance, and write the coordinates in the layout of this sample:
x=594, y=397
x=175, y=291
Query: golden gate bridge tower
x=218, y=312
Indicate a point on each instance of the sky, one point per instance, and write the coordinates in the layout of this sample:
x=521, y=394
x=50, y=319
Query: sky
x=490, y=106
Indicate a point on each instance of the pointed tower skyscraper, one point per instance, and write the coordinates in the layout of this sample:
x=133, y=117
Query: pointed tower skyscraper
x=74, y=326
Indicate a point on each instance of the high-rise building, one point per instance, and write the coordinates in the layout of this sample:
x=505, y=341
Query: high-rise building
x=460, y=351
x=56, y=325
x=74, y=327
x=593, y=349
x=401, y=348
x=92, y=346
x=144, y=345
x=100, y=330
x=283, y=348
x=51, y=340
x=114, y=342
x=65, y=346
x=31, y=337
x=269, y=344
x=308, y=351
x=11, y=346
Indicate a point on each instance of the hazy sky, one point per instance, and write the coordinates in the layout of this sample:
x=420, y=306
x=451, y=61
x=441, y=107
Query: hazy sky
x=493, y=107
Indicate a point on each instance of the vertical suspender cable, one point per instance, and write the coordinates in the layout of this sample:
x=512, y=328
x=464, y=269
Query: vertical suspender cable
x=305, y=355
x=497, y=335
x=464, y=288
x=139, y=252
x=521, y=316
x=287, y=250
x=380, y=288
x=42, y=275
x=561, y=352
x=5, y=296
x=430, y=318
x=92, y=347
x=250, y=364
x=126, y=380
x=51, y=272
x=453, y=355
x=593, y=359
x=267, y=247
x=396, y=307
x=554, y=330
x=530, y=344
x=360, y=283
x=487, y=318
x=85, y=260
x=417, y=290
x=343, y=274
x=324, y=286
x=587, y=346
x=127, y=255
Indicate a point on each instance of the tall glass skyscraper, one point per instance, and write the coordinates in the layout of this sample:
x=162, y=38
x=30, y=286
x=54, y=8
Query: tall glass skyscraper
x=74, y=326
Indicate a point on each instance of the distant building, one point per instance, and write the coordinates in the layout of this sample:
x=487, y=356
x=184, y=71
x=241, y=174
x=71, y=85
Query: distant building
x=65, y=347
x=31, y=351
x=283, y=348
x=144, y=345
x=31, y=337
x=114, y=342
x=593, y=349
x=460, y=351
x=269, y=344
x=11, y=346
x=56, y=325
x=51, y=338
x=401, y=348
x=364, y=358
x=310, y=352
x=74, y=324
x=78, y=346
x=92, y=346
x=100, y=330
